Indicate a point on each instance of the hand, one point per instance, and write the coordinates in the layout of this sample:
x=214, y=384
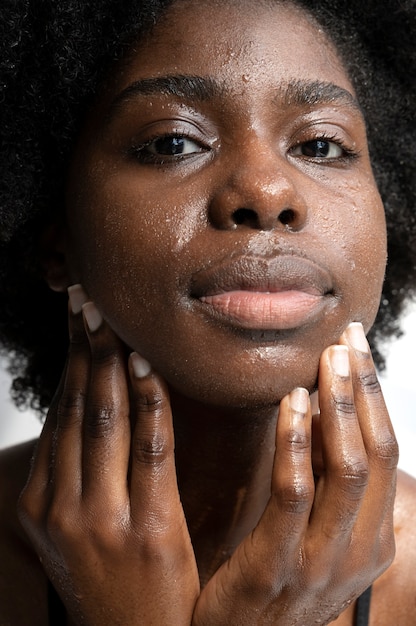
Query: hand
x=103, y=511
x=101, y=506
x=317, y=547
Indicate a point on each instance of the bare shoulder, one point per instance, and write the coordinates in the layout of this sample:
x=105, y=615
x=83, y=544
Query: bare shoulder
x=405, y=528
x=22, y=581
x=394, y=594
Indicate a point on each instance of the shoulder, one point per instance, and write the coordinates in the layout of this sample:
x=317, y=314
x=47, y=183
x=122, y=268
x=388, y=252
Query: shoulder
x=405, y=528
x=22, y=581
x=394, y=593
x=14, y=470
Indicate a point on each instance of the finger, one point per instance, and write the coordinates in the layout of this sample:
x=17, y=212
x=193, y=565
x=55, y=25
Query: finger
x=380, y=444
x=376, y=427
x=342, y=488
x=106, y=427
x=271, y=554
x=155, y=502
x=292, y=488
x=70, y=407
x=35, y=497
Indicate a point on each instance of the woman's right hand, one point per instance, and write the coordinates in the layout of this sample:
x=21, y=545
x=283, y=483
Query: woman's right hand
x=101, y=505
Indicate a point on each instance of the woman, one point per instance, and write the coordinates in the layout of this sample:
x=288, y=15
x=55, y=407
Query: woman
x=216, y=219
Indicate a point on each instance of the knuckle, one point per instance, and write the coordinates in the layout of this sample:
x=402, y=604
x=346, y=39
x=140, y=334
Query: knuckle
x=344, y=405
x=296, y=441
x=369, y=382
x=355, y=478
x=156, y=552
x=71, y=402
x=386, y=452
x=150, y=450
x=28, y=508
x=295, y=497
x=152, y=401
x=59, y=523
x=100, y=421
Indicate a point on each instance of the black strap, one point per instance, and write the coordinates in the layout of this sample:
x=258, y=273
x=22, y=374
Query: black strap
x=56, y=609
x=362, y=614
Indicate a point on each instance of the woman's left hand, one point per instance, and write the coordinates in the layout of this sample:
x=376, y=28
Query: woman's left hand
x=320, y=543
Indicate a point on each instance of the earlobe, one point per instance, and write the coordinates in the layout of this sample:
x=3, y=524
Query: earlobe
x=53, y=258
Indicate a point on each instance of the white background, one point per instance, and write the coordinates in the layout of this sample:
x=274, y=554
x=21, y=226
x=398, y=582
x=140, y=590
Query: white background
x=399, y=385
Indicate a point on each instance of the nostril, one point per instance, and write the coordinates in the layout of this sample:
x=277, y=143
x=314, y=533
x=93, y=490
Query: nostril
x=244, y=216
x=287, y=217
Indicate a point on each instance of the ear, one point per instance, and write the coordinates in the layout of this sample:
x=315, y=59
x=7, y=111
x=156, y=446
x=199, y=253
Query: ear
x=53, y=257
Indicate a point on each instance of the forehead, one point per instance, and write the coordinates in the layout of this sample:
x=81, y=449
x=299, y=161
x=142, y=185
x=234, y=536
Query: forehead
x=239, y=41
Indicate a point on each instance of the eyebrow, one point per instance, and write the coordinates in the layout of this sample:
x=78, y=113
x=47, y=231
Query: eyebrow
x=313, y=93
x=185, y=87
x=201, y=88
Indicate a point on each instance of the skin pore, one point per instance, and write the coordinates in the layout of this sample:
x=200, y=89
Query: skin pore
x=222, y=216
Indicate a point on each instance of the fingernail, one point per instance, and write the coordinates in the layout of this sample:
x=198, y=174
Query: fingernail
x=356, y=337
x=141, y=367
x=340, y=361
x=77, y=297
x=92, y=316
x=299, y=400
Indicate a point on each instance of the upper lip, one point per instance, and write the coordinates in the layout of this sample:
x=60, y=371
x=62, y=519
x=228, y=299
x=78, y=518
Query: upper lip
x=269, y=275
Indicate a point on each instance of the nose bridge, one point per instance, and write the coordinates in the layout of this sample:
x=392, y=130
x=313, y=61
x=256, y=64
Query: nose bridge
x=262, y=177
x=259, y=190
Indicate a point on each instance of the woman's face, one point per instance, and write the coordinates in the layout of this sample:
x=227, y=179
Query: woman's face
x=222, y=211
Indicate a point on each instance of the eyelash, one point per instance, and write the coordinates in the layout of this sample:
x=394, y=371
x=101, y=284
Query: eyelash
x=348, y=155
x=145, y=157
x=139, y=152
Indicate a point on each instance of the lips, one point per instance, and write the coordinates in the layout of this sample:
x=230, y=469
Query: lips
x=279, y=293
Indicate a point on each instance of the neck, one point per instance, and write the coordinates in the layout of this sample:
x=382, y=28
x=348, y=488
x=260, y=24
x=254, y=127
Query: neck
x=224, y=463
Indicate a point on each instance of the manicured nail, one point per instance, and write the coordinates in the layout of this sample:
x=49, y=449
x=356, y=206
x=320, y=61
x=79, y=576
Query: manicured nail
x=339, y=360
x=92, y=316
x=299, y=400
x=141, y=367
x=77, y=297
x=356, y=337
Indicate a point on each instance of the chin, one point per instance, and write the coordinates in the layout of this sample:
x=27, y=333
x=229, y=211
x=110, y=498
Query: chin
x=256, y=387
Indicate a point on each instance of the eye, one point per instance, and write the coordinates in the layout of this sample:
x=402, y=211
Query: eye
x=167, y=147
x=171, y=146
x=320, y=149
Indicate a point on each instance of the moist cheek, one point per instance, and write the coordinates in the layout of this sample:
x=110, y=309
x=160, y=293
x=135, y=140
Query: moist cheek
x=367, y=272
x=356, y=225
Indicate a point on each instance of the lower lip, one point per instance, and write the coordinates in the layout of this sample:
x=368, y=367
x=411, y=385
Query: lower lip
x=282, y=310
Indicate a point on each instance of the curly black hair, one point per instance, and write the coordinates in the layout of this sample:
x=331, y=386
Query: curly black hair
x=54, y=56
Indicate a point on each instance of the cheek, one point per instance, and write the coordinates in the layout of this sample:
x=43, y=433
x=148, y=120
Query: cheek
x=127, y=253
x=363, y=246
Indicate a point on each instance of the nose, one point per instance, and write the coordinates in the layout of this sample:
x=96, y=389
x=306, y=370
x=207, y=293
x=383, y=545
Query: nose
x=260, y=191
